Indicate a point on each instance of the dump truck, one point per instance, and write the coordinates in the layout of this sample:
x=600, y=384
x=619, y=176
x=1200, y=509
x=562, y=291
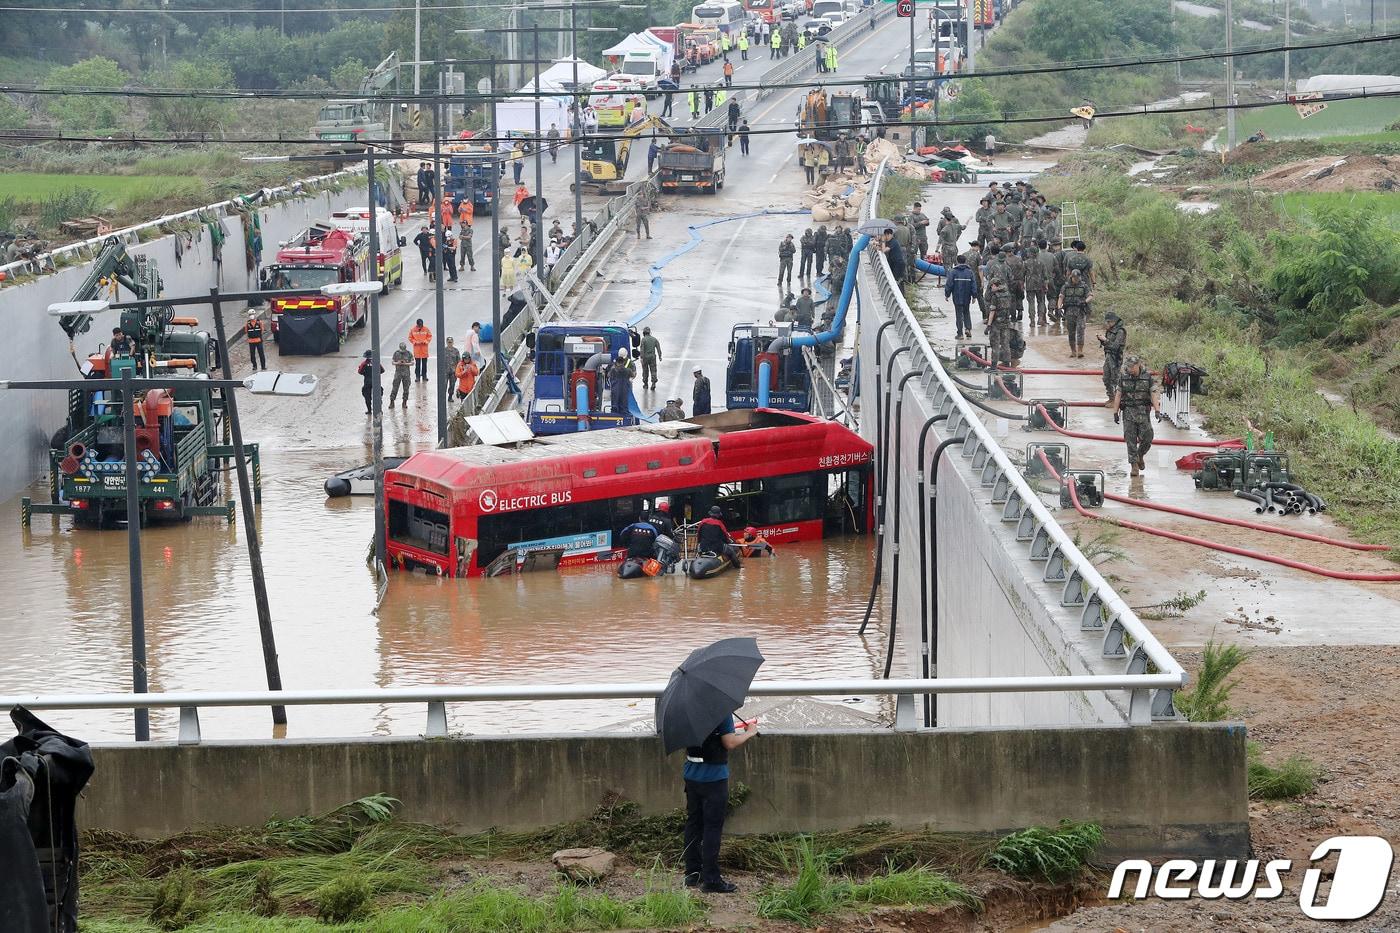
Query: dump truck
x=694, y=161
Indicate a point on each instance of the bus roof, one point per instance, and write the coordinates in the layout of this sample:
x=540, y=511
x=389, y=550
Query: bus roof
x=761, y=441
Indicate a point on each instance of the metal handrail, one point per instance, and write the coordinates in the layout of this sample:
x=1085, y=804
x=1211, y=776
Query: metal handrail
x=635, y=690
x=437, y=698
x=47, y=263
x=1112, y=603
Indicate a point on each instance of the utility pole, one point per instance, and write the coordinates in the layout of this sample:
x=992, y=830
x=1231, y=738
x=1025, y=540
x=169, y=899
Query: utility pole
x=971, y=35
x=417, y=47
x=914, y=81
x=497, y=167
x=1229, y=77
x=576, y=116
x=1287, y=40
x=1176, y=43
x=377, y=393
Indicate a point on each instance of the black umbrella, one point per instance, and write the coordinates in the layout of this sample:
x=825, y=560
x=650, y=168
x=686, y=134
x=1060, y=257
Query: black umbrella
x=708, y=686
x=532, y=205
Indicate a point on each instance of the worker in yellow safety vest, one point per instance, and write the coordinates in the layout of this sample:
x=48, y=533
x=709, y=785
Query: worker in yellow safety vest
x=776, y=45
x=744, y=46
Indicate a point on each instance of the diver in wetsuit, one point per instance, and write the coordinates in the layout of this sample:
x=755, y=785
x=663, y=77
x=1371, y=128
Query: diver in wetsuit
x=711, y=537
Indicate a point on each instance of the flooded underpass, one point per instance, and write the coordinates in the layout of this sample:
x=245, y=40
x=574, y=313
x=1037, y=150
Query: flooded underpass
x=69, y=630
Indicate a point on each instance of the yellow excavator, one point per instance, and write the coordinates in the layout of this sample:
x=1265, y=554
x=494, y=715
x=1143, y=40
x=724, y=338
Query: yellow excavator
x=604, y=158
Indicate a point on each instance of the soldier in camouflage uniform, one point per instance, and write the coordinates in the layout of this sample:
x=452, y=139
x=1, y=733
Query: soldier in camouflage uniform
x=1113, y=341
x=1050, y=226
x=1001, y=223
x=1016, y=279
x=994, y=271
x=1136, y=399
x=1030, y=229
x=1046, y=260
x=1058, y=273
x=949, y=229
x=1078, y=258
x=983, y=219
x=973, y=257
x=1074, y=306
x=1036, y=285
x=1000, y=324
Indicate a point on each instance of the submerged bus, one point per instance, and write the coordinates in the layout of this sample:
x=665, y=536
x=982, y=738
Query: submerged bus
x=455, y=512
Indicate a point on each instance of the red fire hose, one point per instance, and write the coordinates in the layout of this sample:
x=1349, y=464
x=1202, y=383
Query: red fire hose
x=1160, y=442
x=1024, y=402
x=1225, y=520
x=1034, y=372
x=1225, y=548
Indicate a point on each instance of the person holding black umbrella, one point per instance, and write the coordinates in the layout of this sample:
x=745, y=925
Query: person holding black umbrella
x=707, y=688
x=706, y=776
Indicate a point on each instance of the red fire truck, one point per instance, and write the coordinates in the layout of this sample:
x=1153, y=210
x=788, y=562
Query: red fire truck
x=458, y=511
x=321, y=255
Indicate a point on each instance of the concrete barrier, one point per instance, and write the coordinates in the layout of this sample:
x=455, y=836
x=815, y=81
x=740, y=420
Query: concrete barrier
x=36, y=348
x=1160, y=790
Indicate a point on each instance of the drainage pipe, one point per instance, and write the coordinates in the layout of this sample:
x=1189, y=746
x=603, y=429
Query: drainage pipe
x=848, y=287
x=990, y=410
x=1159, y=442
x=930, y=699
x=882, y=450
x=924, y=639
x=1035, y=372
x=1010, y=395
x=898, y=488
x=1224, y=548
x=581, y=405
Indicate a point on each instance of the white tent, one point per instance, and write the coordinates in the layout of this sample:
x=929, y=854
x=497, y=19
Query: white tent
x=546, y=85
x=633, y=43
x=1340, y=83
x=561, y=73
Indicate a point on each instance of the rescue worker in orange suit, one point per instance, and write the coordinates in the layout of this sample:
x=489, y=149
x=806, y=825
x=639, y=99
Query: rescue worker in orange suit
x=467, y=371
x=751, y=544
x=253, y=330
x=420, y=337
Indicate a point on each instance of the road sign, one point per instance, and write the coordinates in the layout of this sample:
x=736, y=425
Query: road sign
x=904, y=8
x=1307, y=104
x=952, y=90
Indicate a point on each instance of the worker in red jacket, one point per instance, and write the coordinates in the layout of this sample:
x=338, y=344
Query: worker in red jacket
x=420, y=337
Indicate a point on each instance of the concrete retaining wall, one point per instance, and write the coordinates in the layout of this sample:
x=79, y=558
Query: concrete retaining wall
x=1157, y=790
x=36, y=348
x=995, y=615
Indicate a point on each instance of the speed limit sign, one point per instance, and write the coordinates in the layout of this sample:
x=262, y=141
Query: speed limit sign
x=904, y=8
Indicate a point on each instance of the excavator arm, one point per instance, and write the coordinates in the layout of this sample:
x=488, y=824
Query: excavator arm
x=115, y=268
x=632, y=133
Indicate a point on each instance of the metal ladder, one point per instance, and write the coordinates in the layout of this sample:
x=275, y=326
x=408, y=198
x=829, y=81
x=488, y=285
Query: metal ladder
x=1069, y=222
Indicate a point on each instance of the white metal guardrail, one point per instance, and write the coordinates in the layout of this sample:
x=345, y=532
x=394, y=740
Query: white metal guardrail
x=436, y=698
x=87, y=249
x=1102, y=610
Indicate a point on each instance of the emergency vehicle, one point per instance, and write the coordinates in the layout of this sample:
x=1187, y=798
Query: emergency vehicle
x=323, y=254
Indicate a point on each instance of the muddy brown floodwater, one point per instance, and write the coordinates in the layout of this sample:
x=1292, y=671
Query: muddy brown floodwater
x=68, y=628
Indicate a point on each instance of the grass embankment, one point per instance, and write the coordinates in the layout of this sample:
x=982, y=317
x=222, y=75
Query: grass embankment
x=1273, y=307
x=41, y=188
x=359, y=868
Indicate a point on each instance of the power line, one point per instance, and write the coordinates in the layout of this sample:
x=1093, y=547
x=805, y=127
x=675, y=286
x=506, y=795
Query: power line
x=433, y=97
x=277, y=12
x=1003, y=120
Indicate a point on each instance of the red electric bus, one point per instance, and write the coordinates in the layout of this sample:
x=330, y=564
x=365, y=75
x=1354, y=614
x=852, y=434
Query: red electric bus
x=765, y=10
x=793, y=476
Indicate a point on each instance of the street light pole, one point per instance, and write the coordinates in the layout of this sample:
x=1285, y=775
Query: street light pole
x=250, y=530
x=440, y=321
x=377, y=393
x=539, y=163
x=497, y=167
x=133, y=552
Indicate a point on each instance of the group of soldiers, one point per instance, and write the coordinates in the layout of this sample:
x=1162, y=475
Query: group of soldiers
x=1016, y=268
x=819, y=250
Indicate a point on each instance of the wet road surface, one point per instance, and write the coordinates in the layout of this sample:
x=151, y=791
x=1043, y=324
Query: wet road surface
x=68, y=629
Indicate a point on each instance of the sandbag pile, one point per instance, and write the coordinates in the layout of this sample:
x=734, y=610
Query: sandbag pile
x=839, y=198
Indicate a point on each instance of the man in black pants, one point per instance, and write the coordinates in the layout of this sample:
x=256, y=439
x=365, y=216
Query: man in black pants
x=706, y=802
